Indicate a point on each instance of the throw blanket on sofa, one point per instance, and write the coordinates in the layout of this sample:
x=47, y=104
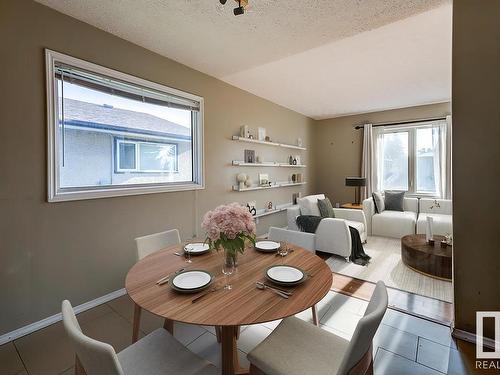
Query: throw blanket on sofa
x=309, y=224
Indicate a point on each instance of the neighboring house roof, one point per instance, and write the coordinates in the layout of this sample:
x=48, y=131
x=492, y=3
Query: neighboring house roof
x=89, y=115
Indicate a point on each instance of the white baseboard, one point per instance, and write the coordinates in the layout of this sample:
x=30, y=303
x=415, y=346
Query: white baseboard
x=471, y=337
x=23, y=331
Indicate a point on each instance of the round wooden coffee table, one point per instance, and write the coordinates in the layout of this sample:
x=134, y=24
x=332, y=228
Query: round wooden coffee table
x=431, y=260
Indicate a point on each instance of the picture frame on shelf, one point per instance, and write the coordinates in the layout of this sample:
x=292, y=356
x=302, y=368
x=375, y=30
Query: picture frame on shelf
x=249, y=156
x=261, y=132
x=244, y=131
x=264, y=179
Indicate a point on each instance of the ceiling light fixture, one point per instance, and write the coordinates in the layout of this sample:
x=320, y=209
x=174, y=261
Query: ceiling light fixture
x=239, y=10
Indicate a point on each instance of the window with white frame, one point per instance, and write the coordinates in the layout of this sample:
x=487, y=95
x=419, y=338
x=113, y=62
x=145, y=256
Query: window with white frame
x=146, y=157
x=113, y=134
x=413, y=158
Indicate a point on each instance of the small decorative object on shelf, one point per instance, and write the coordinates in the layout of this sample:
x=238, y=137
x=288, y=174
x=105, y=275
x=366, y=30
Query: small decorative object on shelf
x=244, y=131
x=444, y=244
x=223, y=232
x=241, y=178
x=268, y=139
x=294, y=178
x=269, y=206
x=290, y=160
x=251, y=208
x=431, y=241
x=250, y=136
x=249, y=156
x=257, y=159
x=294, y=162
x=261, y=133
x=297, y=159
x=295, y=197
x=299, y=142
x=264, y=179
x=248, y=182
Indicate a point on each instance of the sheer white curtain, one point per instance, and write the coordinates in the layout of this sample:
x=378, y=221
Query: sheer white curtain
x=448, y=149
x=438, y=135
x=368, y=161
x=441, y=136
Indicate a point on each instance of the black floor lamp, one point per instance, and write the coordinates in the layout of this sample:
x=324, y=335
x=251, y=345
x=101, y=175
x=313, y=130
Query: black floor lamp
x=356, y=182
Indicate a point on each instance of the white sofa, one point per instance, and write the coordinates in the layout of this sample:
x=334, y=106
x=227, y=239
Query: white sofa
x=394, y=224
x=441, y=214
x=333, y=235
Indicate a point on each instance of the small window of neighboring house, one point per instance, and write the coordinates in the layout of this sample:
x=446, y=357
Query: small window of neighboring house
x=112, y=134
x=145, y=157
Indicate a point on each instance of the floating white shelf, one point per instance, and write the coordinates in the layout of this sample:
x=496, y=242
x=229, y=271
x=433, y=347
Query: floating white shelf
x=277, y=185
x=276, y=144
x=279, y=208
x=269, y=164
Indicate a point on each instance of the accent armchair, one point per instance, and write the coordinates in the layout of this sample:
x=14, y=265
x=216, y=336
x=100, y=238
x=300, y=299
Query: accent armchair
x=333, y=235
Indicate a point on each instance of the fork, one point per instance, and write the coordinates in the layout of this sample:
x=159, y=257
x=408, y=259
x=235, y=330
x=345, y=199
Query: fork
x=288, y=293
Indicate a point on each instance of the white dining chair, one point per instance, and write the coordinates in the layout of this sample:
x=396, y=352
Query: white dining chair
x=157, y=353
x=147, y=245
x=296, y=347
x=297, y=239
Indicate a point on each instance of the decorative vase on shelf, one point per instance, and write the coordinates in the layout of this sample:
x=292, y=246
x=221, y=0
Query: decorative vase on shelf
x=229, y=227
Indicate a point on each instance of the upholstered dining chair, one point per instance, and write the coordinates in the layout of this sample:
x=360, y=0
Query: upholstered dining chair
x=157, y=353
x=296, y=347
x=147, y=245
x=304, y=240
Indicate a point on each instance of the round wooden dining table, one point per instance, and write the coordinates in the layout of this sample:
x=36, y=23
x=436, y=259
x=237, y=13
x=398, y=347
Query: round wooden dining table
x=244, y=304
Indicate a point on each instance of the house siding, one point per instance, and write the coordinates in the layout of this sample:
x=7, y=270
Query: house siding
x=89, y=161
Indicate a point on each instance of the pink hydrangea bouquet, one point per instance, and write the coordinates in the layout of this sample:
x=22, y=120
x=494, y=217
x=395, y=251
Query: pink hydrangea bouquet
x=229, y=227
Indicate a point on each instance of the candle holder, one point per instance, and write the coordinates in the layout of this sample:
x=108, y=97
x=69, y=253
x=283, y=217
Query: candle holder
x=431, y=241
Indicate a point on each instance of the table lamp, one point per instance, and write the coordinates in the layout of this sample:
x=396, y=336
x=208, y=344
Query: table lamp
x=356, y=182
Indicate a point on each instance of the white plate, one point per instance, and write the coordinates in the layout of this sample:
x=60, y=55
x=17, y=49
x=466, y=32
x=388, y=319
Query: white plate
x=267, y=245
x=191, y=280
x=285, y=274
x=197, y=247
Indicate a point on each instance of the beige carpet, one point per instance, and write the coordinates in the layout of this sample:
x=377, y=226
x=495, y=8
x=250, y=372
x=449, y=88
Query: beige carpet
x=386, y=265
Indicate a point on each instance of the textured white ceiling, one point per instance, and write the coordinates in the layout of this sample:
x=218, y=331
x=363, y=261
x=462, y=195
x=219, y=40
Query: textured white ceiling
x=297, y=51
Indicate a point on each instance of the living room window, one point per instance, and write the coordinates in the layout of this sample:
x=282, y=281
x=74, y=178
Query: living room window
x=113, y=134
x=412, y=158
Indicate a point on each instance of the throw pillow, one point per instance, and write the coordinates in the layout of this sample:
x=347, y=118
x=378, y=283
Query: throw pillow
x=394, y=200
x=378, y=201
x=326, y=208
x=309, y=204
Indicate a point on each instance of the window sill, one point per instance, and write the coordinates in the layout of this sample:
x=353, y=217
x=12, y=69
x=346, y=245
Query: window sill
x=82, y=194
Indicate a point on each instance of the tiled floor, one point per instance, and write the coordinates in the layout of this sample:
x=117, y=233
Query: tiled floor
x=403, y=344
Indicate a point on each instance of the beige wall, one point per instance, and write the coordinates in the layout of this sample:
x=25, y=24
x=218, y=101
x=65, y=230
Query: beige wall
x=338, y=146
x=82, y=250
x=476, y=158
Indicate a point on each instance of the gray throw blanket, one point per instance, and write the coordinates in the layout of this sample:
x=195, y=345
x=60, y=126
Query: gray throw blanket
x=309, y=224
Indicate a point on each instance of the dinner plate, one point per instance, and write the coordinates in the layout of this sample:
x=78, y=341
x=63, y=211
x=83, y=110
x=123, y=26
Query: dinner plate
x=193, y=280
x=197, y=248
x=267, y=246
x=285, y=274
